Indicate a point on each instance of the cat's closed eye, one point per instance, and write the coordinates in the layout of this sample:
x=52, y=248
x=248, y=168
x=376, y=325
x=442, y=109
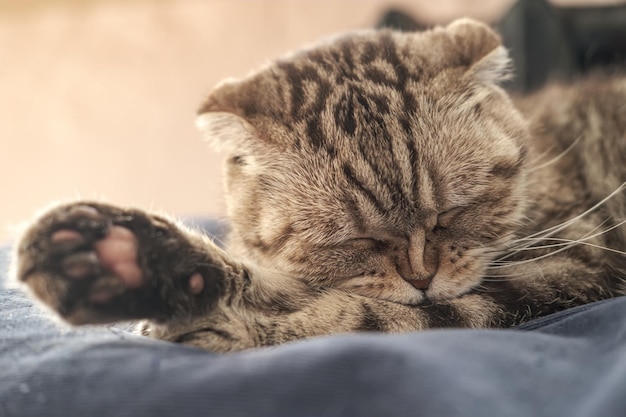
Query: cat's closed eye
x=445, y=218
x=366, y=243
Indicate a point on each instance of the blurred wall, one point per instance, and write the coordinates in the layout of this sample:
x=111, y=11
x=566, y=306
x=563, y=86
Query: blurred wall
x=98, y=97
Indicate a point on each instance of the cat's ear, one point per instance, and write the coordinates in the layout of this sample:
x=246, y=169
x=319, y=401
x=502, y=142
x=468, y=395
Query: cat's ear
x=237, y=114
x=220, y=121
x=225, y=131
x=481, y=48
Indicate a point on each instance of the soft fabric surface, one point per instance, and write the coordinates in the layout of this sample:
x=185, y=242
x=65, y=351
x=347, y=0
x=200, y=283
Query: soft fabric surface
x=569, y=364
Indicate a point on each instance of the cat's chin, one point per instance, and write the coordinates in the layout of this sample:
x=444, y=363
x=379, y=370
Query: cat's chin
x=443, y=291
x=414, y=299
x=394, y=289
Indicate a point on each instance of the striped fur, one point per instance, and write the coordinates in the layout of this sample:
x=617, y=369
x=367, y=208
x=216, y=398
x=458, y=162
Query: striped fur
x=381, y=181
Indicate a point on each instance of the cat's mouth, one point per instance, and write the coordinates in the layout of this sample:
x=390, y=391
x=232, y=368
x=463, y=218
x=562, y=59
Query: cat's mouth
x=420, y=284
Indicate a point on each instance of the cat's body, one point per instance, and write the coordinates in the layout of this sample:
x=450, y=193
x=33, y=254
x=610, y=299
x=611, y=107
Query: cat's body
x=378, y=181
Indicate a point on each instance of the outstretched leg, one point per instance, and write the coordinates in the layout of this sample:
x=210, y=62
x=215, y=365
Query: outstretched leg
x=95, y=263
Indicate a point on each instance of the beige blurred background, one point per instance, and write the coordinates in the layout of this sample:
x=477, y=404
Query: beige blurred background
x=97, y=98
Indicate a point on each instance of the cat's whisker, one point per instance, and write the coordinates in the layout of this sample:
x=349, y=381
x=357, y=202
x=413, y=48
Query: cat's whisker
x=502, y=262
x=586, y=236
x=502, y=279
x=565, y=247
x=556, y=158
x=481, y=287
x=530, y=241
x=499, y=277
x=568, y=223
x=566, y=244
x=545, y=234
x=572, y=242
x=540, y=156
x=539, y=239
x=608, y=249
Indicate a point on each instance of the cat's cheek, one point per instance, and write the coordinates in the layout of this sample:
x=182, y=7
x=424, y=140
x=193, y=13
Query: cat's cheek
x=454, y=280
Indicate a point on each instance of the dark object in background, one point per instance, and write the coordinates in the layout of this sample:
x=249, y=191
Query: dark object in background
x=551, y=43
x=398, y=20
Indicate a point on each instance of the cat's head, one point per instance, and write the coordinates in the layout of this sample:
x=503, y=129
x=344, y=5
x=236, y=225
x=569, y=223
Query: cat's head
x=387, y=163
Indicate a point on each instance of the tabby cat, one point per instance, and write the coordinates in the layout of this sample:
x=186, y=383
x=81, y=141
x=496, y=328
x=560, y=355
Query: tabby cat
x=377, y=181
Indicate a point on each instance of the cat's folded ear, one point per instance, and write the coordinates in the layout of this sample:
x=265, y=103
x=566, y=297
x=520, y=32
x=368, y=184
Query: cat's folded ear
x=238, y=114
x=481, y=50
x=220, y=121
x=225, y=131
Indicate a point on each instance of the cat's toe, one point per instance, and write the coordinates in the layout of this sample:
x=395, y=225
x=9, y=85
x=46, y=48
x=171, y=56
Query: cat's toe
x=76, y=217
x=66, y=236
x=81, y=265
x=83, y=210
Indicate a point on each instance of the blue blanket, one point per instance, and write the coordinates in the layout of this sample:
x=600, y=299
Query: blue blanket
x=569, y=364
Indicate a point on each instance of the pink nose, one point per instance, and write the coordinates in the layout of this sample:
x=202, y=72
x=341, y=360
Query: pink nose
x=420, y=284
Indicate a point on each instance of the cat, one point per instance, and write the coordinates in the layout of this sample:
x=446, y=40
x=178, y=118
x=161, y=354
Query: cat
x=377, y=181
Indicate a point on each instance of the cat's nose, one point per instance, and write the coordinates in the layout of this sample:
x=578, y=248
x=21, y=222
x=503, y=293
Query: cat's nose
x=417, y=265
x=417, y=277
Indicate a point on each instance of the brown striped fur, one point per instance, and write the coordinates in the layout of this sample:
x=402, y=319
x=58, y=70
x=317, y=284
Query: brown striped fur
x=384, y=181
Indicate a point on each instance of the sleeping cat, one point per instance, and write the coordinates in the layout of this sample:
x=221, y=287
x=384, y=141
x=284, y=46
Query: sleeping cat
x=377, y=181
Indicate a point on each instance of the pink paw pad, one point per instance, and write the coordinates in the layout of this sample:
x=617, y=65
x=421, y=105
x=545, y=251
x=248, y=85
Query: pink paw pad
x=196, y=283
x=86, y=211
x=118, y=253
x=65, y=235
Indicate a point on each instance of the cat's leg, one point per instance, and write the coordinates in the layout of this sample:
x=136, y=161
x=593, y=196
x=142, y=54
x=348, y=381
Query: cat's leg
x=523, y=293
x=96, y=263
x=250, y=324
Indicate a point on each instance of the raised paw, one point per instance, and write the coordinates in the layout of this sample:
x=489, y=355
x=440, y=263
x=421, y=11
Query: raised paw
x=94, y=263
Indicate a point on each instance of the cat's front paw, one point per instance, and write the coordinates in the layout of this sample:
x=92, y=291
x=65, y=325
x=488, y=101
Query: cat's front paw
x=94, y=263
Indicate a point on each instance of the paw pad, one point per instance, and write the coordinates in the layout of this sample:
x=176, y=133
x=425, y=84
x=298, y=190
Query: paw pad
x=196, y=283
